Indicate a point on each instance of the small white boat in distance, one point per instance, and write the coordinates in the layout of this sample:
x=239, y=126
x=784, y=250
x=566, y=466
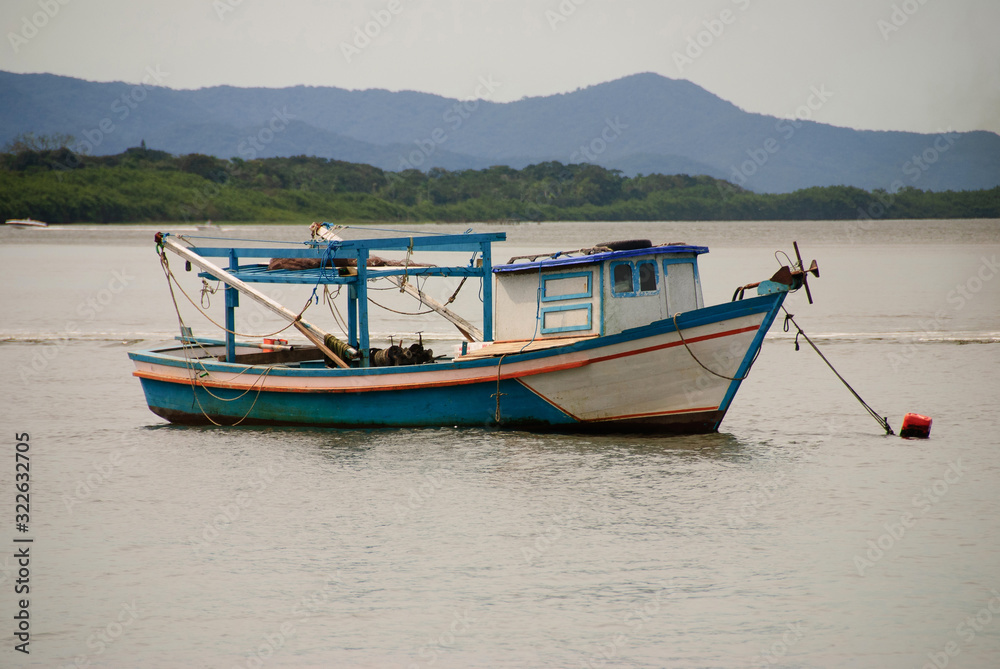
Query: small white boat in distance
x=27, y=223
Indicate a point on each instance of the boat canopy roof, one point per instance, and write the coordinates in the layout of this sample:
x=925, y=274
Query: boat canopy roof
x=562, y=259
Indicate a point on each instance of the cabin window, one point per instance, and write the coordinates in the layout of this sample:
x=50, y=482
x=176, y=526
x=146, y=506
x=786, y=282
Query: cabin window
x=567, y=318
x=630, y=279
x=569, y=286
x=647, y=277
x=682, y=285
x=622, y=278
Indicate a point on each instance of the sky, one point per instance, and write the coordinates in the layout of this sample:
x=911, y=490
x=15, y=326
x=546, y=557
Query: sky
x=913, y=65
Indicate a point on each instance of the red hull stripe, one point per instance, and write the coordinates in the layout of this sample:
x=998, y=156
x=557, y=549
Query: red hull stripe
x=489, y=378
x=692, y=340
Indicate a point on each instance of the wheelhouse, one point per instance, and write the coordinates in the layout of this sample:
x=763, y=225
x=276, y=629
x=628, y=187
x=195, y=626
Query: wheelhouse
x=602, y=293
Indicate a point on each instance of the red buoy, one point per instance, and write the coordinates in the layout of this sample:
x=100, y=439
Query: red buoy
x=916, y=426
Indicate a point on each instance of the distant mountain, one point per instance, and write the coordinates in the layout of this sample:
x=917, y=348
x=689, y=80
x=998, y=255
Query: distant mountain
x=644, y=123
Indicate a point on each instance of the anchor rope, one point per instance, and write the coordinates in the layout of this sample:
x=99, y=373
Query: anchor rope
x=880, y=419
x=498, y=394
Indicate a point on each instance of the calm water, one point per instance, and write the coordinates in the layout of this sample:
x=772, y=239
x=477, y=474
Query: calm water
x=799, y=536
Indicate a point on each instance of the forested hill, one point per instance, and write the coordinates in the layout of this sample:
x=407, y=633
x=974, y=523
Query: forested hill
x=140, y=184
x=641, y=124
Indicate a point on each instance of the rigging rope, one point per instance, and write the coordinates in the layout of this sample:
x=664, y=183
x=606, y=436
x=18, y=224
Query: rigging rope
x=206, y=292
x=189, y=362
x=420, y=298
x=406, y=268
x=171, y=280
x=881, y=420
x=695, y=358
x=401, y=313
x=329, y=298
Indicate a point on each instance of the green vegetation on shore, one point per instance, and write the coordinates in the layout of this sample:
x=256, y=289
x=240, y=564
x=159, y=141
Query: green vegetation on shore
x=59, y=186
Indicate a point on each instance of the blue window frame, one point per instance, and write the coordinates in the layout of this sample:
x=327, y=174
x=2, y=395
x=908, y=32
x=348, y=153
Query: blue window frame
x=584, y=319
x=621, y=278
x=634, y=278
x=694, y=273
x=550, y=294
x=646, y=277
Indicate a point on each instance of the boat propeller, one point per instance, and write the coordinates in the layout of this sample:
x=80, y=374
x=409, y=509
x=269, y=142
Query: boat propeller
x=801, y=275
x=794, y=275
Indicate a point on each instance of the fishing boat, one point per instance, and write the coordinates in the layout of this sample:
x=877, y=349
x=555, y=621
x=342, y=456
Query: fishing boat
x=614, y=337
x=26, y=223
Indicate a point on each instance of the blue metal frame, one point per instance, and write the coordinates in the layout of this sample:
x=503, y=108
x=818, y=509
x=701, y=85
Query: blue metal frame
x=232, y=301
x=568, y=328
x=486, y=281
x=315, y=249
x=258, y=273
x=359, y=250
